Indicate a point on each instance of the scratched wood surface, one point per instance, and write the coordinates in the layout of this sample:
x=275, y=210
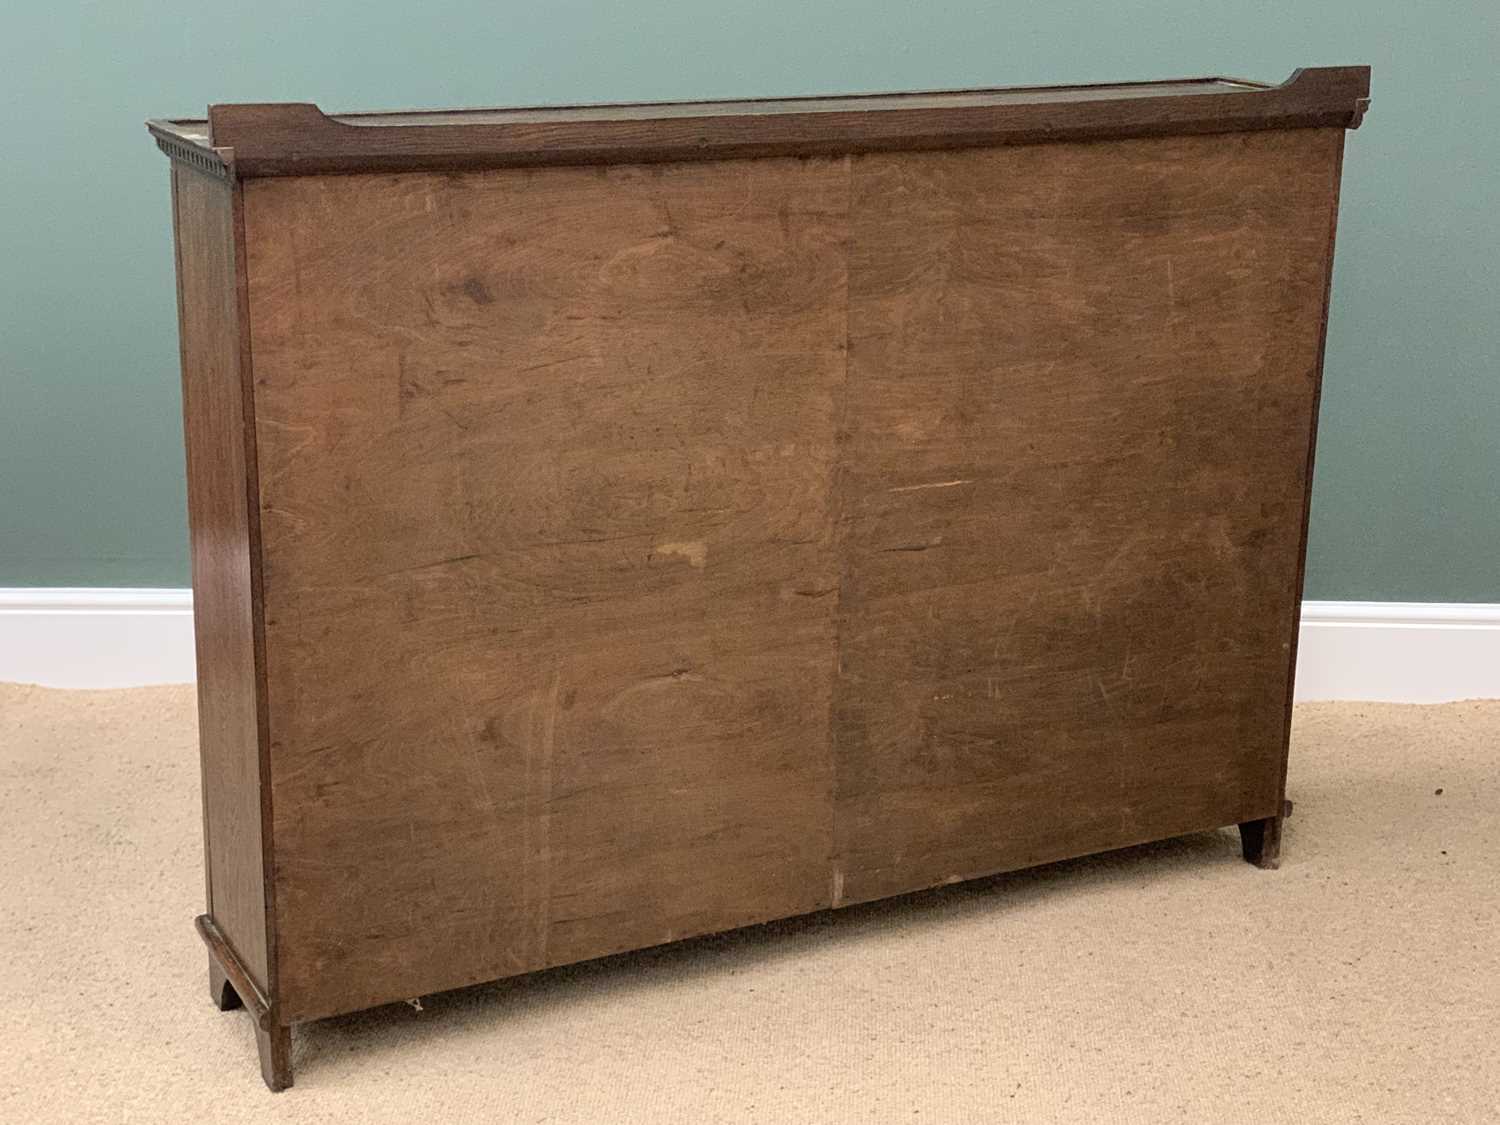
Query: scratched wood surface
x=549, y=571
x=220, y=521
x=1080, y=400
x=654, y=550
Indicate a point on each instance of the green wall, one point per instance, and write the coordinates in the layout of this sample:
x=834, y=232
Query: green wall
x=91, y=469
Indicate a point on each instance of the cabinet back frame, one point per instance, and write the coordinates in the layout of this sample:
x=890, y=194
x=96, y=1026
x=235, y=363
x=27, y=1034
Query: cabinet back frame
x=725, y=243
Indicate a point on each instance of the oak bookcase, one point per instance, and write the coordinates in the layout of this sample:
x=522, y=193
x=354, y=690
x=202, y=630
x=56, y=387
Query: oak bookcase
x=617, y=523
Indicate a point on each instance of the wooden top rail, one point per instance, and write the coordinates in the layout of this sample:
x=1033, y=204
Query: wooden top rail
x=296, y=139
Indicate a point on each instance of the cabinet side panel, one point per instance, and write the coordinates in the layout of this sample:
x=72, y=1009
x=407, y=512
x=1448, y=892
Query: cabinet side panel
x=545, y=471
x=1082, y=384
x=223, y=600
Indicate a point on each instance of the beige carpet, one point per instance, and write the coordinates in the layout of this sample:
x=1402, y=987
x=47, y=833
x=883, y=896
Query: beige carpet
x=1165, y=983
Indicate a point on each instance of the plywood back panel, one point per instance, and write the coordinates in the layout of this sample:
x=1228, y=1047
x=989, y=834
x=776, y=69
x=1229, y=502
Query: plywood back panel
x=545, y=471
x=654, y=550
x=1082, y=386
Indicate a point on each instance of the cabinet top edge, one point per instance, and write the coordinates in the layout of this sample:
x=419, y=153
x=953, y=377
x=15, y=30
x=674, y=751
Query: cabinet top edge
x=297, y=138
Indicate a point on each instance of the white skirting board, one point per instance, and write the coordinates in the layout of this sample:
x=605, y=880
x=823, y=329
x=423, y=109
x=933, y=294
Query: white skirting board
x=96, y=637
x=1408, y=652
x=1399, y=652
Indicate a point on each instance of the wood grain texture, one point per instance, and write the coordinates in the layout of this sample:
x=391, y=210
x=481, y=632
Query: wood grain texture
x=1081, y=387
x=599, y=556
x=221, y=518
x=292, y=139
x=581, y=540
x=546, y=462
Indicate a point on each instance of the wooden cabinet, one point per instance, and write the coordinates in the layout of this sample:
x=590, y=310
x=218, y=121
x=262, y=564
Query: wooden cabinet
x=620, y=523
